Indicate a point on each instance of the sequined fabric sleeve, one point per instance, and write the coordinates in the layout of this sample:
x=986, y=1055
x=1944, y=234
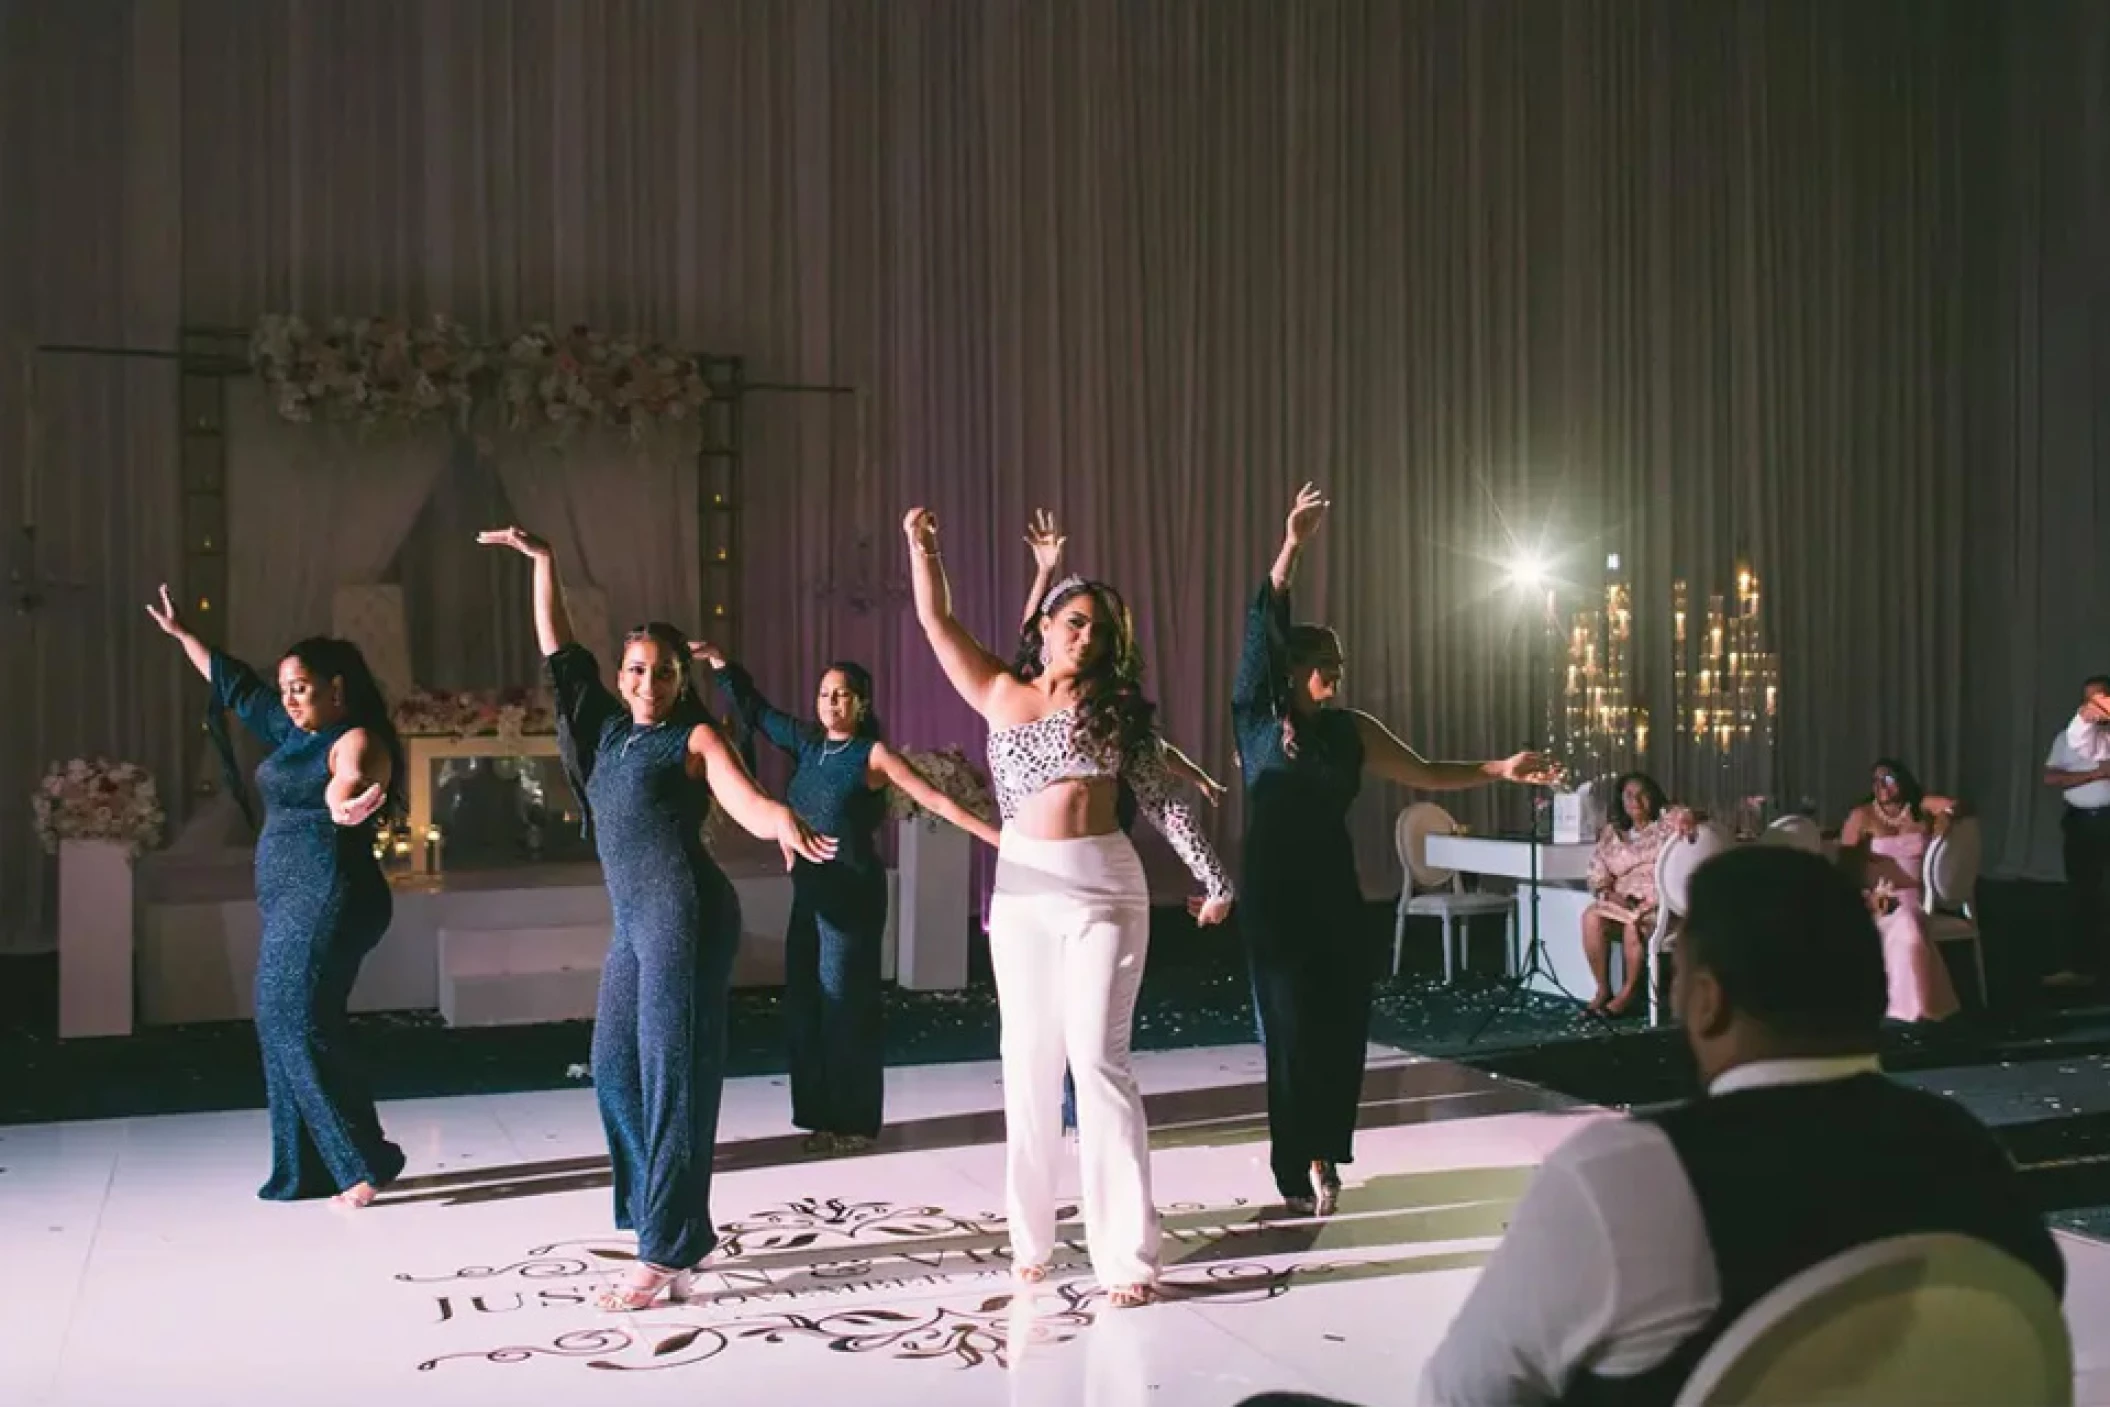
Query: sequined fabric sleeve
x=755, y=712
x=584, y=705
x=1260, y=656
x=1159, y=799
x=237, y=690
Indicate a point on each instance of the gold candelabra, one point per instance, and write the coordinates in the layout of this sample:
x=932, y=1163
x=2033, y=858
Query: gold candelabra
x=1725, y=684
x=1602, y=730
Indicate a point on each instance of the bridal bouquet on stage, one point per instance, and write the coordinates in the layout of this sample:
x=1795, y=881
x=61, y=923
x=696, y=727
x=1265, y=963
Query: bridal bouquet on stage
x=472, y=713
x=97, y=799
x=950, y=772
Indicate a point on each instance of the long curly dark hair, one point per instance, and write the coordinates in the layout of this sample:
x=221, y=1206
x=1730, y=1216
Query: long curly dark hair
x=327, y=657
x=1114, y=718
x=1650, y=791
x=1909, y=789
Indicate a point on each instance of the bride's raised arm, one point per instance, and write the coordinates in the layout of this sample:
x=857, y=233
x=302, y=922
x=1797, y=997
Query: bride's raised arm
x=974, y=672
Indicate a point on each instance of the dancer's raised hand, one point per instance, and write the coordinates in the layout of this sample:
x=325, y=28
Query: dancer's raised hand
x=1305, y=515
x=1046, y=540
x=519, y=539
x=165, y=615
x=707, y=654
x=920, y=526
x=356, y=810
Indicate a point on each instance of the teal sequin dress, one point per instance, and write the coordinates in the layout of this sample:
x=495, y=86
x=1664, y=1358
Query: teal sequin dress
x=659, y=1038
x=834, y=1004
x=325, y=905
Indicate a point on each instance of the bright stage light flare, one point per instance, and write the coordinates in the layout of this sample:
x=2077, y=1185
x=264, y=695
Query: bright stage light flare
x=1528, y=571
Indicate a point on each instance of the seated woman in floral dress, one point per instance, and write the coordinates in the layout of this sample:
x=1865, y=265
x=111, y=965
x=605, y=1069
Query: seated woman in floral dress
x=1623, y=885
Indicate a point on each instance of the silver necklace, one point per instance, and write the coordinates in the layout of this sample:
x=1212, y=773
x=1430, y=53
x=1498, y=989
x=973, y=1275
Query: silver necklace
x=638, y=730
x=831, y=748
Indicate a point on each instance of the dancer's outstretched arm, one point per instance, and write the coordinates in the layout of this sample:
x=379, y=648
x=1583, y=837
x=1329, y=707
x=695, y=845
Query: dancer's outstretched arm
x=897, y=770
x=360, y=771
x=236, y=687
x=1190, y=772
x=552, y=619
x=1386, y=756
x=755, y=711
x=195, y=650
x=975, y=673
x=1256, y=691
x=751, y=808
x=1305, y=515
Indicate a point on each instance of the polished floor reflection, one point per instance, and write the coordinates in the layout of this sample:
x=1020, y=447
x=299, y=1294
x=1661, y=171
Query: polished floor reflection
x=140, y=1268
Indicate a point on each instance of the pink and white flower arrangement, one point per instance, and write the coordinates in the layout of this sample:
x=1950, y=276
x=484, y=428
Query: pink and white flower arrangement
x=367, y=371
x=97, y=799
x=560, y=380
x=470, y=713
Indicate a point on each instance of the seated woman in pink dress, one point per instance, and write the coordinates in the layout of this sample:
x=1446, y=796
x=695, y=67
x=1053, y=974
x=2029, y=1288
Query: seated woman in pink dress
x=1884, y=841
x=1623, y=884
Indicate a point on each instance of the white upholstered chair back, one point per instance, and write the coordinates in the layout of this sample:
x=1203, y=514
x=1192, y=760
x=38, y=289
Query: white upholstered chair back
x=1410, y=834
x=1677, y=862
x=1953, y=859
x=1930, y=1320
x=1796, y=833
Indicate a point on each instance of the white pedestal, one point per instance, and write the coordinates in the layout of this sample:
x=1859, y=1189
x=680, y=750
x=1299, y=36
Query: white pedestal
x=934, y=906
x=95, y=938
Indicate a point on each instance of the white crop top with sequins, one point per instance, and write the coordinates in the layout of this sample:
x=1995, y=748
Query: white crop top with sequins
x=1027, y=759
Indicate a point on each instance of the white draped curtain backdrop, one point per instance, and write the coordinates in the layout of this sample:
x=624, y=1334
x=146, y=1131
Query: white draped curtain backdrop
x=1818, y=284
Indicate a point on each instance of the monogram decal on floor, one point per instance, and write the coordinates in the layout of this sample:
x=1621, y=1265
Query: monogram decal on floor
x=901, y=1278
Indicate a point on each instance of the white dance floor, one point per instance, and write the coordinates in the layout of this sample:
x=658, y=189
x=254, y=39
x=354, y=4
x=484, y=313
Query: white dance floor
x=141, y=1269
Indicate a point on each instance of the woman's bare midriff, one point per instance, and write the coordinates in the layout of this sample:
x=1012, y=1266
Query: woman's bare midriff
x=1071, y=810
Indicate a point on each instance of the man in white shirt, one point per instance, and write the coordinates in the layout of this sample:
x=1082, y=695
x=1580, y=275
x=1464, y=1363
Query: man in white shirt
x=2079, y=767
x=1640, y=1240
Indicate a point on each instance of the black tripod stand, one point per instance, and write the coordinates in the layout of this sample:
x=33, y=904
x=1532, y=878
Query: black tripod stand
x=1534, y=962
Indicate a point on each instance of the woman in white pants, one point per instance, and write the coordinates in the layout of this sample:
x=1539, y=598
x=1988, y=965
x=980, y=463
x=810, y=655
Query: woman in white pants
x=1069, y=923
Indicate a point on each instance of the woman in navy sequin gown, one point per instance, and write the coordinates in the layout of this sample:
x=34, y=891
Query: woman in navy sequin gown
x=832, y=999
x=646, y=767
x=1302, y=914
x=335, y=762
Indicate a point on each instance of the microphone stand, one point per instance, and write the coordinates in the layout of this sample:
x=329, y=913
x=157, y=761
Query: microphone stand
x=1534, y=963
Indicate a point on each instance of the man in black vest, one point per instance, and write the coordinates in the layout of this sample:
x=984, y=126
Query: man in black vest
x=1641, y=1240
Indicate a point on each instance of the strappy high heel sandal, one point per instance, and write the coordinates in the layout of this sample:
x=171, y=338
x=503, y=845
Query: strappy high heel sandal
x=359, y=1194
x=1032, y=1274
x=1325, y=1189
x=648, y=1284
x=1131, y=1296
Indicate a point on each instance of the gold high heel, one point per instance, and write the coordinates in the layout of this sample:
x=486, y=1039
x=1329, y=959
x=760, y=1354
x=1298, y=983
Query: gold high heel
x=647, y=1286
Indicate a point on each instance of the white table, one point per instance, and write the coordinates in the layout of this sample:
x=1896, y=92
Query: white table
x=1561, y=872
